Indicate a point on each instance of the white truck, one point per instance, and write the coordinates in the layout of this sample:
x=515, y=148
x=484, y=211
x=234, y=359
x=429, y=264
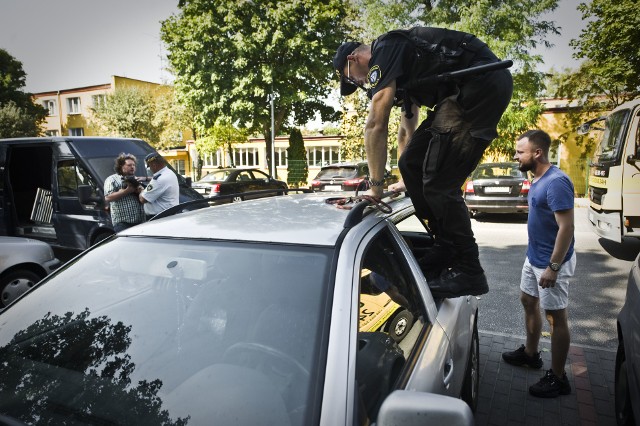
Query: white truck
x=614, y=175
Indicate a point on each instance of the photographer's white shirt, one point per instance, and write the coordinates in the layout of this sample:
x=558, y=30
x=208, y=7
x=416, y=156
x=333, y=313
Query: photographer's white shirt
x=162, y=192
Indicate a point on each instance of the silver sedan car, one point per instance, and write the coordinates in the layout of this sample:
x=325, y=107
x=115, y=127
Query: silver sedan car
x=23, y=262
x=248, y=313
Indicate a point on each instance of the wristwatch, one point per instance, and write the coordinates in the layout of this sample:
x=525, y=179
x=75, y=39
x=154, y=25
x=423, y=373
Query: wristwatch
x=554, y=266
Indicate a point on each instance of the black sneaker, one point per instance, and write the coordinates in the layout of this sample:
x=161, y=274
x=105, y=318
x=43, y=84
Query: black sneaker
x=455, y=283
x=520, y=358
x=550, y=386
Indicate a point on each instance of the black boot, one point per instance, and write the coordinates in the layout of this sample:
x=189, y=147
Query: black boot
x=457, y=282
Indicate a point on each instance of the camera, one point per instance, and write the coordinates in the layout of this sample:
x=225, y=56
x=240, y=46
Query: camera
x=129, y=180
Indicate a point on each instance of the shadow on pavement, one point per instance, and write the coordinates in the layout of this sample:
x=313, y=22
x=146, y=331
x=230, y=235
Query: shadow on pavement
x=627, y=250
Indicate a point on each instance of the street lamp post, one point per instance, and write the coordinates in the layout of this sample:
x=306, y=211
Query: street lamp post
x=273, y=139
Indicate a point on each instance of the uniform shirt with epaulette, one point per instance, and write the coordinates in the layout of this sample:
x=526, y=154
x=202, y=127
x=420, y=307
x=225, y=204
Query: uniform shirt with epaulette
x=162, y=192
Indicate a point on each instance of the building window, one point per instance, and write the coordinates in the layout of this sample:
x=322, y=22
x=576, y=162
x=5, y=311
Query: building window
x=99, y=100
x=76, y=131
x=214, y=160
x=73, y=105
x=51, y=133
x=322, y=155
x=281, y=159
x=178, y=165
x=50, y=105
x=245, y=157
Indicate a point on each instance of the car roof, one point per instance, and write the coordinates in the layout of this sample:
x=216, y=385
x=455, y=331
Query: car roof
x=500, y=163
x=289, y=219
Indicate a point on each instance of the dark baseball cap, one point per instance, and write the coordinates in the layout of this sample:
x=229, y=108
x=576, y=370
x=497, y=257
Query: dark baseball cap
x=151, y=157
x=339, y=61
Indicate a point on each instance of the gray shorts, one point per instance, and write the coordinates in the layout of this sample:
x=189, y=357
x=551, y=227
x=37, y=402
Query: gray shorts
x=553, y=298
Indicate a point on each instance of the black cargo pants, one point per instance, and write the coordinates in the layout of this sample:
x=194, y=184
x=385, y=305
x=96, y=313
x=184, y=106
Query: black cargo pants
x=443, y=152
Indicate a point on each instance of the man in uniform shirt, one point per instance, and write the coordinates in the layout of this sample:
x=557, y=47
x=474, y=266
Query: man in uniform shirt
x=122, y=194
x=436, y=157
x=163, y=191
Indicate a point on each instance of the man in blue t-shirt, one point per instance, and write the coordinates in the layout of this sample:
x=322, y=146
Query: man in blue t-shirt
x=550, y=262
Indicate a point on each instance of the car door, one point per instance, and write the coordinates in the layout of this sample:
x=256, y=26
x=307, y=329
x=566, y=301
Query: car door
x=423, y=359
x=263, y=181
x=74, y=222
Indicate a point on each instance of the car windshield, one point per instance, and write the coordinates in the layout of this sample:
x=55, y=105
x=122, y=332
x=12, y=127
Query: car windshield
x=188, y=332
x=217, y=176
x=489, y=171
x=337, y=172
x=612, y=142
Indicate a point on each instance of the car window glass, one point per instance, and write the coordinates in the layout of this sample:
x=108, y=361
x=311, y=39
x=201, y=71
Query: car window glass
x=152, y=331
x=243, y=176
x=337, y=172
x=70, y=175
x=257, y=174
x=391, y=316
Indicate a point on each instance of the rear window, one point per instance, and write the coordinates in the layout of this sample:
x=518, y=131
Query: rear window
x=489, y=171
x=337, y=172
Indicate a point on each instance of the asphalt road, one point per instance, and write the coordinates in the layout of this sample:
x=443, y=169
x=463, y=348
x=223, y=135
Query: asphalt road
x=596, y=292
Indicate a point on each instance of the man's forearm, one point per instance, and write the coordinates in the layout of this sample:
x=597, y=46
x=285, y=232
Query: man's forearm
x=564, y=237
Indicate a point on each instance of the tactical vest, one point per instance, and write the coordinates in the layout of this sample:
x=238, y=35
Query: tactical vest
x=436, y=50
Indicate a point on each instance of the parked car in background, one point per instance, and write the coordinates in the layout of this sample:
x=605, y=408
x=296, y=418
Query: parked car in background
x=497, y=188
x=346, y=177
x=254, y=305
x=23, y=262
x=230, y=181
x=627, y=373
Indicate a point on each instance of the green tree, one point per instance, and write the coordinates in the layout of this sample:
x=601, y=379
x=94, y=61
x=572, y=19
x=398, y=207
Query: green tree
x=298, y=169
x=230, y=56
x=511, y=28
x=608, y=75
x=129, y=112
x=19, y=115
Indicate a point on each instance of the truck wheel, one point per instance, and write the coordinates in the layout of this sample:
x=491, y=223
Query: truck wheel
x=236, y=199
x=15, y=283
x=469, y=392
x=400, y=325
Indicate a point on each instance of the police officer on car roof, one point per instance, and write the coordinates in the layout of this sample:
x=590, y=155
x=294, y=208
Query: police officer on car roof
x=437, y=156
x=163, y=191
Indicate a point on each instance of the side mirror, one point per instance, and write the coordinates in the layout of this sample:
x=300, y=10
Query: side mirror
x=189, y=181
x=85, y=197
x=409, y=408
x=631, y=159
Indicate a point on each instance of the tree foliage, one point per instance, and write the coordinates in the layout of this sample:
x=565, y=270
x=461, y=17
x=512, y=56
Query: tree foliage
x=298, y=169
x=19, y=115
x=609, y=75
x=230, y=56
x=129, y=112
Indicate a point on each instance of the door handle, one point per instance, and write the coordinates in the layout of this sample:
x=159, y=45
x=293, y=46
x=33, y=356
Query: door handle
x=448, y=373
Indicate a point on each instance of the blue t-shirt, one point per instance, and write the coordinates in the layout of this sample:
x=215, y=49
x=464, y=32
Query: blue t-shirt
x=551, y=193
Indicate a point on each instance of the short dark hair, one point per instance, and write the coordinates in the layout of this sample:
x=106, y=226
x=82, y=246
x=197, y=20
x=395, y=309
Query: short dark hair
x=539, y=138
x=121, y=160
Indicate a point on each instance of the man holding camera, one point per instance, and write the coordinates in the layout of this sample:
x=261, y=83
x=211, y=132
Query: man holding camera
x=121, y=192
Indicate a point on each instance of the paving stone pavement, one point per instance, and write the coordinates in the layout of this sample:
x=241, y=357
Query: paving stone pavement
x=504, y=397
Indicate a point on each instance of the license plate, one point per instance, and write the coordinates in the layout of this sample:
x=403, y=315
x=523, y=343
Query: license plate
x=497, y=189
x=332, y=188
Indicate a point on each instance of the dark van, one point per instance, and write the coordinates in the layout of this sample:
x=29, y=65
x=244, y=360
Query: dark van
x=40, y=180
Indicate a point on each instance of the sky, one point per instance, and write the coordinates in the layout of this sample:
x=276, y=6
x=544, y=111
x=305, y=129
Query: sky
x=65, y=44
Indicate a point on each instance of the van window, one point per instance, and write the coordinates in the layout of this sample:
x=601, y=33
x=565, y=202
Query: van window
x=70, y=175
